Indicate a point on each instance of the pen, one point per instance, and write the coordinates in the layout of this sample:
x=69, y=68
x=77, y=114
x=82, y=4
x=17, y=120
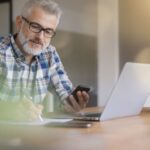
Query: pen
x=40, y=118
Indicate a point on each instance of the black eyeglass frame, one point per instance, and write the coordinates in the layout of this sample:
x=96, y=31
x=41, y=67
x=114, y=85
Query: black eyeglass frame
x=39, y=28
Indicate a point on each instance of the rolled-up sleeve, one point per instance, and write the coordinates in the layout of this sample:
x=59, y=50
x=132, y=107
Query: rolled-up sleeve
x=59, y=77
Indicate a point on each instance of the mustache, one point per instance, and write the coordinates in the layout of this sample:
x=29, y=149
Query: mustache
x=35, y=40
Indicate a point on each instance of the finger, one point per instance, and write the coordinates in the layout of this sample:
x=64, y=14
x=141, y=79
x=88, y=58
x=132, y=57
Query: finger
x=26, y=102
x=27, y=111
x=67, y=106
x=39, y=107
x=33, y=116
x=74, y=103
x=83, y=99
x=32, y=111
x=86, y=96
x=37, y=110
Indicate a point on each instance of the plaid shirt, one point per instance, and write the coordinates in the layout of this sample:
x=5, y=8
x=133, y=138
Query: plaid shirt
x=17, y=78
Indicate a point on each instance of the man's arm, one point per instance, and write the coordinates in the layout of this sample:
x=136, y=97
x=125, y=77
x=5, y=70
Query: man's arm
x=64, y=87
x=59, y=78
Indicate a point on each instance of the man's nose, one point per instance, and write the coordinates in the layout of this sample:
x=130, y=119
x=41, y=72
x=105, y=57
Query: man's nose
x=41, y=34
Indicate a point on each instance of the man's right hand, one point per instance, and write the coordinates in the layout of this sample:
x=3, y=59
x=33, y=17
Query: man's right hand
x=28, y=111
x=23, y=110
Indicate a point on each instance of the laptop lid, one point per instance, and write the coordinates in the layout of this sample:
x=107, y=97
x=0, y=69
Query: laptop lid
x=127, y=97
x=130, y=93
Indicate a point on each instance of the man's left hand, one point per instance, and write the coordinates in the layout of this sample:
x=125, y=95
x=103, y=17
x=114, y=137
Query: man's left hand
x=75, y=105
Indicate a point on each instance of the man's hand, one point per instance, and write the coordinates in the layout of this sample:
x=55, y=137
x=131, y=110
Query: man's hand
x=73, y=105
x=23, y=110
x=27, y=111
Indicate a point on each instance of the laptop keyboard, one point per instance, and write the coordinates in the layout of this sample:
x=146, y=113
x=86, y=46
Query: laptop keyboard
x=92, y=114
x=88, y=117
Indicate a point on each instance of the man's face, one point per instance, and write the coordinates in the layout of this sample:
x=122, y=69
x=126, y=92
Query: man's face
x=33, y=42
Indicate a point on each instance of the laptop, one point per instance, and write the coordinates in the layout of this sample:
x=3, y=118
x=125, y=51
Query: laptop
x=128, y=95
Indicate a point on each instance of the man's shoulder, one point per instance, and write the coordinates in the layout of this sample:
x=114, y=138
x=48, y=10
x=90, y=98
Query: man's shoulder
x=49, y=55
x=4, y=43
x=51, y=49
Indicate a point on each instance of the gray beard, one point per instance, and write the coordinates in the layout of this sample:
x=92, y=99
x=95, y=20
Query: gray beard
x=24, y=43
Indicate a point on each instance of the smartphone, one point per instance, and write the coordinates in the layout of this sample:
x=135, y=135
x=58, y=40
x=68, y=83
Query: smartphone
x=80, y=88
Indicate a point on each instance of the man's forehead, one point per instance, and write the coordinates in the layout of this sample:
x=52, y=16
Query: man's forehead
x=45, y=19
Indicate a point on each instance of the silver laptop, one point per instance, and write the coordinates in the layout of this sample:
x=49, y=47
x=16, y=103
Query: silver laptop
x=128, y=95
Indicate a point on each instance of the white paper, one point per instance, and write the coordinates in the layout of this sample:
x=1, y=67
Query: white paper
x=35, y=123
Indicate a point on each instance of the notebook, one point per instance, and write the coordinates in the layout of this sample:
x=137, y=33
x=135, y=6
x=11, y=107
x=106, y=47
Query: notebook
x=128, y=95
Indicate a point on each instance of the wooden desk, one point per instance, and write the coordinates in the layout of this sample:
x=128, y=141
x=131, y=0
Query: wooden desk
x=120, y=134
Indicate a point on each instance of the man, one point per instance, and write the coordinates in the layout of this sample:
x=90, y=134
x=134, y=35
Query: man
x=30, y=67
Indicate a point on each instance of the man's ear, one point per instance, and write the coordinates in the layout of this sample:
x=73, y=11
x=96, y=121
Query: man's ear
x=18, y=23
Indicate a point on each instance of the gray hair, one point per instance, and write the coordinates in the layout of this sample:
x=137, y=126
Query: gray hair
x=48, y=6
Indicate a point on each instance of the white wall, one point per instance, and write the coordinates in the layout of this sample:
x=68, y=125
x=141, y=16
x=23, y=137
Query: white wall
x=17, y=6
x=108, y=62
x=79, y=16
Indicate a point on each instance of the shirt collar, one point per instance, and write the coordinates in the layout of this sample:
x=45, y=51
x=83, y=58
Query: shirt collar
x=17, y=53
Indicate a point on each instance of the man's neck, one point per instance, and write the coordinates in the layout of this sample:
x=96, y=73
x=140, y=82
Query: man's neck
x=29, y=59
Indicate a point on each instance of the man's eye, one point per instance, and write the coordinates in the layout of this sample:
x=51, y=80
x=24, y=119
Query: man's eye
x=49, y=31
x=33, y=25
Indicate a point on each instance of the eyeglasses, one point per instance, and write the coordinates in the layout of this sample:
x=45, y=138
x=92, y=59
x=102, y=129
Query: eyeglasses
x=37, y=28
